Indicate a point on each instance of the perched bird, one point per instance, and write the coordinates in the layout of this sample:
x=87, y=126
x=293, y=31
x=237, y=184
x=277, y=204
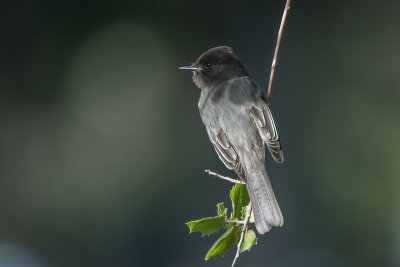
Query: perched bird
x=239, y=122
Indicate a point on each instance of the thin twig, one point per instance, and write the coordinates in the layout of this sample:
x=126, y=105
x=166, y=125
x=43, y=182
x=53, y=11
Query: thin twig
x=235, y=221
x=244, y=231
x=277, y=48
x=224, y=177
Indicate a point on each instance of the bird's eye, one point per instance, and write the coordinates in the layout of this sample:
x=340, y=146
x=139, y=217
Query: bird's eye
x=208, y=65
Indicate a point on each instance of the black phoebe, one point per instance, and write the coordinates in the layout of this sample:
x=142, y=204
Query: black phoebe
x=238, y=121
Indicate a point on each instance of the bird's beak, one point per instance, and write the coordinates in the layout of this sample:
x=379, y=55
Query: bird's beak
x=189, y=68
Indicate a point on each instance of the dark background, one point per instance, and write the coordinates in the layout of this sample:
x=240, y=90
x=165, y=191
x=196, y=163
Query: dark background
x=102, y=151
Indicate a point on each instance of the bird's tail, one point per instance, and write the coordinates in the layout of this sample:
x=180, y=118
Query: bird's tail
x=265, y=206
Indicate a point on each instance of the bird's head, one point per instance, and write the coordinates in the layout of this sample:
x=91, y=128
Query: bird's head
x=216, y=65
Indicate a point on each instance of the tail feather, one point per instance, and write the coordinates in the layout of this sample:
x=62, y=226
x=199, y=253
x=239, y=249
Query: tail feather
x=265, y=206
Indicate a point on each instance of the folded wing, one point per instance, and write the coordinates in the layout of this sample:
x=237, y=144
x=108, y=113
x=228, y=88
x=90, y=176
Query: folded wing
x=227, y=153
x=264, y=120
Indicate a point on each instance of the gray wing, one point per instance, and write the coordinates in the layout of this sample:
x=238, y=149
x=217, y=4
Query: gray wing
x=264, y=120
x=227, y=153
x=245, y=89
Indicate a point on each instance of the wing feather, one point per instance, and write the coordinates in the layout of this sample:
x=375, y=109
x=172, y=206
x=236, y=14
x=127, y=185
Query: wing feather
x=227, y=154
x=265, y=123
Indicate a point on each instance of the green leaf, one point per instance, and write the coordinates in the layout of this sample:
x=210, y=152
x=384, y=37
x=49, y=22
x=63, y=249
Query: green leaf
x=240, y=198
x=221, y=210
x=229, y=225
x=239, y=233
x=251, y=217
x=207, y=226
x=244, y=213
x=210, y=225
x=224, y=211
x=223, y=244
x=249, y=240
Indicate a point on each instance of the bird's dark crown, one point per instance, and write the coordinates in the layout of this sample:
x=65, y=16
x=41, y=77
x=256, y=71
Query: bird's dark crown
x=216, y=65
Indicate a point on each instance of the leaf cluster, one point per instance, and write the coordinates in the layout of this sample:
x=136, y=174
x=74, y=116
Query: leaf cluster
x=233, y=229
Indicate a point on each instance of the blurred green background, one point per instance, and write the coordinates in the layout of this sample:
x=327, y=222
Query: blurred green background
x=102, y=151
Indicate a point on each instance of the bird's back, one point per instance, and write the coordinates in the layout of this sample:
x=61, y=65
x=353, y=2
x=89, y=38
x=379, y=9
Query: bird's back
x=227, y=107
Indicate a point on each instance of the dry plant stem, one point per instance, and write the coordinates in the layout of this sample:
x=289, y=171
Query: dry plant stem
x=244, y=230
x=277, y=48
x=224, y=177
